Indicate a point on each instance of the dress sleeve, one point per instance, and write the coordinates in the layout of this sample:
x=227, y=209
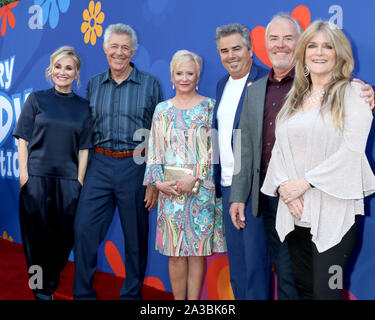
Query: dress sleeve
x=276, y=172
x=25, y=123
x=346, y=174
x=155, y=153
x=85, y=137
x=204, y=168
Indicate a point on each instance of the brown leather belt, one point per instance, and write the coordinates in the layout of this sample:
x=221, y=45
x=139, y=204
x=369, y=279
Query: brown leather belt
x=119, y=154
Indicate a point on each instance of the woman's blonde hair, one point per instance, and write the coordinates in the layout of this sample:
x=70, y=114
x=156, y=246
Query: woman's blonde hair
x=60, y=53
x=333, y=99
x=185, y=56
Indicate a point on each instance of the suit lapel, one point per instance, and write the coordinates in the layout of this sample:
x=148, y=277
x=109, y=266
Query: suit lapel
x=249, y=81
x=259, y=100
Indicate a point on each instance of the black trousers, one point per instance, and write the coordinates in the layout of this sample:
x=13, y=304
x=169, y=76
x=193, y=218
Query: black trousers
x=319, y=276
x=47, y=208
x=286, y=289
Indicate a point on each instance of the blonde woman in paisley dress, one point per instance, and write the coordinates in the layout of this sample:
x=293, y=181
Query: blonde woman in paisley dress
x=189, y=225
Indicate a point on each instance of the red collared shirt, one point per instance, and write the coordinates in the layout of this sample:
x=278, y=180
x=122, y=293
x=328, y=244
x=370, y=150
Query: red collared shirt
x=275, y=97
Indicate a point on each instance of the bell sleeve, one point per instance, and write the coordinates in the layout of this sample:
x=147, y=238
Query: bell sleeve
x=204, y=168
x=346, y=174
x=276, y=173
x=155, y=153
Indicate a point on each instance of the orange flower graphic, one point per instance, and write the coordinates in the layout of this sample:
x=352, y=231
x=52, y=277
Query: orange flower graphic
x=115, y=261
x=6, y=237
x=91, y=27
x=7, y=15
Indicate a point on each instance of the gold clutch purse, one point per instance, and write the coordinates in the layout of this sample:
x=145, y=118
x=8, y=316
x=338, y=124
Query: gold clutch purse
x=175, y=173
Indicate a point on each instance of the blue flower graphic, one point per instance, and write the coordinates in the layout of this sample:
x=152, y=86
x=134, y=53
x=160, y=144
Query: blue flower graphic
x=51, y=9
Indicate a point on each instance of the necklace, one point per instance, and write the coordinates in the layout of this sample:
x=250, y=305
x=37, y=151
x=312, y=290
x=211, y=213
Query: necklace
x=314, y=97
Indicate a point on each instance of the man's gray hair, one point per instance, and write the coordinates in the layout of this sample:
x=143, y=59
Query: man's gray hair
x=233, y=28
x=121, y=28
x=284, y=16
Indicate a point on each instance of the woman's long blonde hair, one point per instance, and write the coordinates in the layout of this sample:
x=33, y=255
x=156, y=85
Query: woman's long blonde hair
x=333, y=99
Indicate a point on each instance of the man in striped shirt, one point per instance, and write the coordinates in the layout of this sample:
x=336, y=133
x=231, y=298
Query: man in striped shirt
x=122, y=101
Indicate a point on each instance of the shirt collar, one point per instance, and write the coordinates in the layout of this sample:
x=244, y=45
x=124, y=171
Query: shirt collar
x=288, y=76
x=134, y=75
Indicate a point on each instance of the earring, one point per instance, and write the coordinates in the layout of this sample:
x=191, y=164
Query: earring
x=306, y=71
x=173, y=86
x=196, y=86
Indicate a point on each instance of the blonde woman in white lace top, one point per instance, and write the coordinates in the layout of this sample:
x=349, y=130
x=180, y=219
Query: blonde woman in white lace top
x=319, y=166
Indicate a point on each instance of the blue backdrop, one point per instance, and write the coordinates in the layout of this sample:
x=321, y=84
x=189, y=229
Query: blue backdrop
x=32, y=29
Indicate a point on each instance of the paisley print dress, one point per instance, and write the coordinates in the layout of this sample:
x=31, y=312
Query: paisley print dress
x=187, y=225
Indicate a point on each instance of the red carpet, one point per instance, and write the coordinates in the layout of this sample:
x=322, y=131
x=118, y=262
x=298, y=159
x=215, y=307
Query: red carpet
x=14, y=279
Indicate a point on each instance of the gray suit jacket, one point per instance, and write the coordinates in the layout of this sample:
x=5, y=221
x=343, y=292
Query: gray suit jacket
x=246, y=182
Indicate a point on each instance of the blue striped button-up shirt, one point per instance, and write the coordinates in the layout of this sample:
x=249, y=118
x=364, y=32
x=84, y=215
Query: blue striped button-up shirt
x=119, y=110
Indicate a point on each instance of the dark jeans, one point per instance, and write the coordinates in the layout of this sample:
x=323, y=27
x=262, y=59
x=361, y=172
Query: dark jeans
x=319, y=276
x=286, y=289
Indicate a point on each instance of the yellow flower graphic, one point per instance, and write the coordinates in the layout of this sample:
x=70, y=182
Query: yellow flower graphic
x=5, y=236
x=91, y=27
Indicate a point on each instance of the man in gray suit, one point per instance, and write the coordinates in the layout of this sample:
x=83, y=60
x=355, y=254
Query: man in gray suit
x=263, y=100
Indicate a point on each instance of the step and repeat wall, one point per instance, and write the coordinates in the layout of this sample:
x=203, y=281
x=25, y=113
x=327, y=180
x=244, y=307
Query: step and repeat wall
x=32, y=29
